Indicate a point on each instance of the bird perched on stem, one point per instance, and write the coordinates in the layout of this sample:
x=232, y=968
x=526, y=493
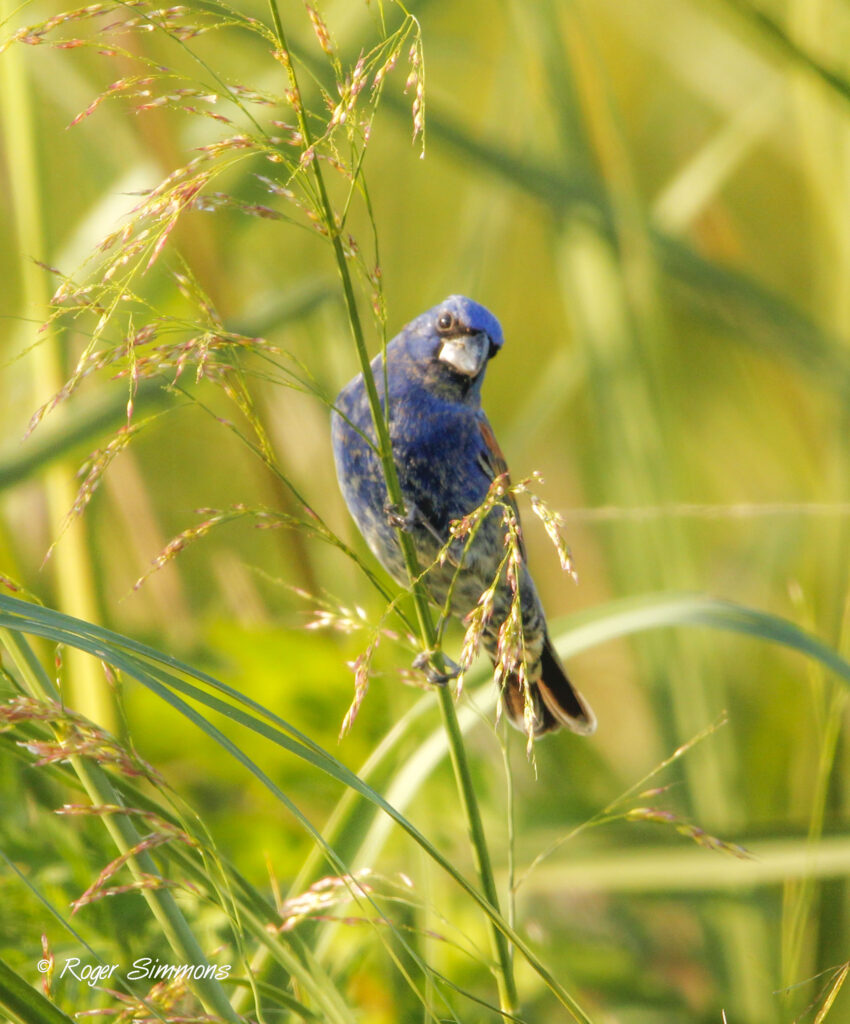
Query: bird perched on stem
x=448, y=465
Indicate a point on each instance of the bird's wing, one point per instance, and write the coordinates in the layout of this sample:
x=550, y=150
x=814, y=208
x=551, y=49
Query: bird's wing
x=492, y=461
x=490, y=456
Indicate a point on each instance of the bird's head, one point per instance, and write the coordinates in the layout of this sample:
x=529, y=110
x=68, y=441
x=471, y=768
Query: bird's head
x=452, y=343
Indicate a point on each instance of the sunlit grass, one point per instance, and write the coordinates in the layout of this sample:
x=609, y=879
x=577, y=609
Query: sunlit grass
x=653, y=202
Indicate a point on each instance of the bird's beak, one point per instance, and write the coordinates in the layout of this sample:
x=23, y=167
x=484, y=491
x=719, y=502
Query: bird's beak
x=467, y=353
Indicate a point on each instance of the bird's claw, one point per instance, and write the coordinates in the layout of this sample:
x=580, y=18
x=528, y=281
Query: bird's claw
x=422, y=663
x=398, y=518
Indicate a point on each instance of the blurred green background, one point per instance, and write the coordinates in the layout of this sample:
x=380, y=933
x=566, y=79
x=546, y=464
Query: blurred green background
x=654, y=199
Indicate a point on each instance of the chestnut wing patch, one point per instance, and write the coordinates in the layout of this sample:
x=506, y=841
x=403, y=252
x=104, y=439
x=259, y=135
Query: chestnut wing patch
x=492, y=461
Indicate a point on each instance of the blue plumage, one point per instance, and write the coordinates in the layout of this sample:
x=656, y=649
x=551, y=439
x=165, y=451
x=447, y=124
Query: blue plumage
x=447, y=457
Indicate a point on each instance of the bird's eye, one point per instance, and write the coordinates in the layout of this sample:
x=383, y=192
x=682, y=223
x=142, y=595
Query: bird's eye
x=445, y=322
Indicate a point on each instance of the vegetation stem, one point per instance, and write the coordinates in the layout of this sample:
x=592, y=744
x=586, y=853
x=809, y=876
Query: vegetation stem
x=74, y=578
x=428, y=632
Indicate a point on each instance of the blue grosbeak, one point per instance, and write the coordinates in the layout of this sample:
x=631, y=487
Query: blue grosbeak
x=447, y=458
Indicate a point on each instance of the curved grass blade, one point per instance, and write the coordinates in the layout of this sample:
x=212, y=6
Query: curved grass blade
x=157, y=671
x=25, y=1003
x=162, y=673
x=97, y=785
x=660, y=611
x=579, y=633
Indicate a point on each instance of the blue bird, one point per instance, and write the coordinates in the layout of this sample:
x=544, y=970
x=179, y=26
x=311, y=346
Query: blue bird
x=447, y=457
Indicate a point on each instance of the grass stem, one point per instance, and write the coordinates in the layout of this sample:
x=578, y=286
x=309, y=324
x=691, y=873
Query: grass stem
x=74, y=577
x=428, y=632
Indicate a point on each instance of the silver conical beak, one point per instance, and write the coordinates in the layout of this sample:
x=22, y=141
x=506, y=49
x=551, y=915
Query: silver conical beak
x=466, y=354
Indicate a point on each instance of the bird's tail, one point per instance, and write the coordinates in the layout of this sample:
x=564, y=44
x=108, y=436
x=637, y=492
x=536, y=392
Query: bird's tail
x=555, y=700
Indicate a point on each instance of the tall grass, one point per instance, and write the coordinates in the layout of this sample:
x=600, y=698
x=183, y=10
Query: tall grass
x=615, y=182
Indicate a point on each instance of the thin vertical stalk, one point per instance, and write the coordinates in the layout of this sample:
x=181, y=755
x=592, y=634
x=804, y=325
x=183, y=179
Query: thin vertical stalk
x=428, y=633
x=74, y=581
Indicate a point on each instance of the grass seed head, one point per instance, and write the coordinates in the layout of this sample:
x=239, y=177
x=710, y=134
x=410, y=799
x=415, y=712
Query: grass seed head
x=685, y=828
x=320, y=29
x=326, y=894
x=362, y=666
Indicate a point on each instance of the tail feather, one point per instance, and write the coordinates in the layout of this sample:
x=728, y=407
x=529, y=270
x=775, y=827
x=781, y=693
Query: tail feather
x=556, y=702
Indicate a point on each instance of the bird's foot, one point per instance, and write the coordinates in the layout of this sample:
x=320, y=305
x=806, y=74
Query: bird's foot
x=422, y=663
x=399, y=518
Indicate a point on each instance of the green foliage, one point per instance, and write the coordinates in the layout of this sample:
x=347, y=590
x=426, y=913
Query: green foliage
x=654, y=201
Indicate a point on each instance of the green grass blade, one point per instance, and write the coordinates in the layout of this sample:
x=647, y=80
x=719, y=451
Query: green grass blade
x=665, y=869
x=619, y=619
x=660, y=611
x=771, y=30
x=25, y=1003
x=157, y=671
